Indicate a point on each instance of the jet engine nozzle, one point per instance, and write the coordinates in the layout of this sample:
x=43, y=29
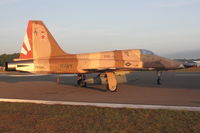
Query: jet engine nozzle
x=10, y=66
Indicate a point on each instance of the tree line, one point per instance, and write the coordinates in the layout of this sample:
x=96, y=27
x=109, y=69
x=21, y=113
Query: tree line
x=7, y=58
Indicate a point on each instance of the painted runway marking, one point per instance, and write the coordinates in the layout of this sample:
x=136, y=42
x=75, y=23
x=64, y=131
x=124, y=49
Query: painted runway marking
x=111, y=105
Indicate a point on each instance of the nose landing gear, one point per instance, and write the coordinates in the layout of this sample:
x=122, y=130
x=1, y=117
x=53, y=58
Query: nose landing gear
x=159, y=74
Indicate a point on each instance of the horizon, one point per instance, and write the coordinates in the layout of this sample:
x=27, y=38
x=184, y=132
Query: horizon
x=164, y=27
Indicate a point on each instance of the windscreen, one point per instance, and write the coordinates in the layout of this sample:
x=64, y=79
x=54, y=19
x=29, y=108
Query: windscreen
x=146, y=52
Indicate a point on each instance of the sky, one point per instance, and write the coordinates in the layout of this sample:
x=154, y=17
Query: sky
x=82, y=26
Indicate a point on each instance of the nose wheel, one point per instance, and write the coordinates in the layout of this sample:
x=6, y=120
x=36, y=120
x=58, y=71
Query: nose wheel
x=159, y=74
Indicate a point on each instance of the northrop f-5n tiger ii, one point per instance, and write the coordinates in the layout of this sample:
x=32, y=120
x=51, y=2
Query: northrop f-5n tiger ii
x=40, y=53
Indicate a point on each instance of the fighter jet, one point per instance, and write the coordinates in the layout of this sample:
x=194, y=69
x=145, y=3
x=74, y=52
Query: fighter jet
x=41, y=54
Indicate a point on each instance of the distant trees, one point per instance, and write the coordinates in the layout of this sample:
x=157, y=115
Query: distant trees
x=7, y=58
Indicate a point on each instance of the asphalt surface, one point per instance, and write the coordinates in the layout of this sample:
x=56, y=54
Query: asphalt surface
x=178, y=88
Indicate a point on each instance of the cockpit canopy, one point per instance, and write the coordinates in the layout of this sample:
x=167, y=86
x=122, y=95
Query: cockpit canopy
x=146, y=52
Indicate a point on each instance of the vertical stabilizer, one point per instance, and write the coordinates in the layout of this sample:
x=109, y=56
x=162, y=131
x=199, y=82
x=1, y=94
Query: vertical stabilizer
x=39, y=43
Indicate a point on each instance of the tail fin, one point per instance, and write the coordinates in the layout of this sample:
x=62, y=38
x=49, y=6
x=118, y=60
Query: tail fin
x=39, y=43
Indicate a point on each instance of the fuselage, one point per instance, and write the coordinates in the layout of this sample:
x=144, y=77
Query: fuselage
x=119, y=60
x=40, y=53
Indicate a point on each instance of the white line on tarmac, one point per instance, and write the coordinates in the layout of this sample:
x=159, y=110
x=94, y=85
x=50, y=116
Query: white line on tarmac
x=111, y=105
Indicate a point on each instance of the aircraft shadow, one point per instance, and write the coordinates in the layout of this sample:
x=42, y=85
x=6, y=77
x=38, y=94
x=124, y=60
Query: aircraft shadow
x=70, y=81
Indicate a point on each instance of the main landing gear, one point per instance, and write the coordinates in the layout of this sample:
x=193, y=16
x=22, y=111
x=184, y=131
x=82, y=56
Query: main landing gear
x=108, y=77
x=81, y=80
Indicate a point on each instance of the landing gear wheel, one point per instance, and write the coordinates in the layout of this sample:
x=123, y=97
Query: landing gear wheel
x=82, y=83
x=158, y=81
x=159, y=74
x=81, y=80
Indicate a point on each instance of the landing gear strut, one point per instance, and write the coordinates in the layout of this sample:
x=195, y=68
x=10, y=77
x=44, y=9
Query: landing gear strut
x=81, y=80
x=107, y=78
x=159, y=74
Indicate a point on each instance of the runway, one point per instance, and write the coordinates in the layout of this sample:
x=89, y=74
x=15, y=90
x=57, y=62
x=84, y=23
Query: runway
x=177, y=89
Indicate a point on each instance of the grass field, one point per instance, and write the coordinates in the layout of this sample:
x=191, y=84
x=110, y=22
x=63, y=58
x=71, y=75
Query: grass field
x=34, y=118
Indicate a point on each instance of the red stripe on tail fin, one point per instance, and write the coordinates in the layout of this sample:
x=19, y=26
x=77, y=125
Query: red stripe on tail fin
x=27, y=46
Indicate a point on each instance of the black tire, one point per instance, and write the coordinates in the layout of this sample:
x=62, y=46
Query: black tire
x=158, y=82
x=82, y=83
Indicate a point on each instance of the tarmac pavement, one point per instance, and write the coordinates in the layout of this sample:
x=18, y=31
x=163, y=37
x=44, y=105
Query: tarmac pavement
x=177, y=89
